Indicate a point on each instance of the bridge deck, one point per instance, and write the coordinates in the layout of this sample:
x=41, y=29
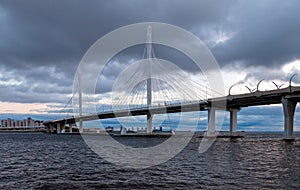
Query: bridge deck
x=227, y=102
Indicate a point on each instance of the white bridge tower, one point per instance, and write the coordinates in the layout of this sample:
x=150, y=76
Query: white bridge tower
x=149, y=49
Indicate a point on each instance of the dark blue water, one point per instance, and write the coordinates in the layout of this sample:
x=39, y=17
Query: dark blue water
x=42, y=161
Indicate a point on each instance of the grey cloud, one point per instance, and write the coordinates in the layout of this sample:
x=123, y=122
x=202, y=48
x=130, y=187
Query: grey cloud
x=39, y=35
x=40, y=85
x=50, y=31
x=266, y=33
x=12, y=95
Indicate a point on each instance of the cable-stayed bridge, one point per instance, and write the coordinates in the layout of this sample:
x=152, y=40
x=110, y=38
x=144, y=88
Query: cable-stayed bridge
x=147, y=90
x=288, y=97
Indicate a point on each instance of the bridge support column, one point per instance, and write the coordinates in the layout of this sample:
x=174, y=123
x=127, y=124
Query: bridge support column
x=58, y=128
x=62, y=130
x=289, y=107
x=233, y=121
x=149, y=123
x=47, y=128
x=51, y=128
x=80, y=126
x=211, y=132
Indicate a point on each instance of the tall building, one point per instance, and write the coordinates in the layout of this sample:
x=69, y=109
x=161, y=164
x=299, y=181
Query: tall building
x=9, y=122
x=29, y=122
x=3, y=123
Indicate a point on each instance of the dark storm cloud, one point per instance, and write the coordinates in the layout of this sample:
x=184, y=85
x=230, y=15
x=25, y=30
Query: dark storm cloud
x=44, y=33
x=265, y=33
x=42, y=42
x=54, y=35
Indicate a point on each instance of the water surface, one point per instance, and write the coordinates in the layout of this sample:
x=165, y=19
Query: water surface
x=43, y=161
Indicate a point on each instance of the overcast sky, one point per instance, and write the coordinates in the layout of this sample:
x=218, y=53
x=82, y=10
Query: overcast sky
x=42, y=42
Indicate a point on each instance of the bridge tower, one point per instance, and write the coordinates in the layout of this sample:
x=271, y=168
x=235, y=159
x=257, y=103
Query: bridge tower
x=149, y=49
x=80, y=103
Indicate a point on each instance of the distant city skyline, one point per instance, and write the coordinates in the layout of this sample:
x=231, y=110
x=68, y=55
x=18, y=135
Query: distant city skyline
x=42, y=43
x=11, y=122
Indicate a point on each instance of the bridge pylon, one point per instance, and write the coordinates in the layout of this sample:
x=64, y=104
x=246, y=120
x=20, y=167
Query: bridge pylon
x=80, y=102
x=149, y=75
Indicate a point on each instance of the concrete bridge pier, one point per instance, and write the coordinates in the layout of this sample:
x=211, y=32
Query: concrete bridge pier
x=51, y=128
x=58, y=128
x=211, y=132
x=63, y=128
x=233, y=121
x=80, y=126
x=149, y=123
x=289, y=107
x=47, y=129
x=71, y=129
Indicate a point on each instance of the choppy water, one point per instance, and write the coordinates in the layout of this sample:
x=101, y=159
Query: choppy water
x=42, y=161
